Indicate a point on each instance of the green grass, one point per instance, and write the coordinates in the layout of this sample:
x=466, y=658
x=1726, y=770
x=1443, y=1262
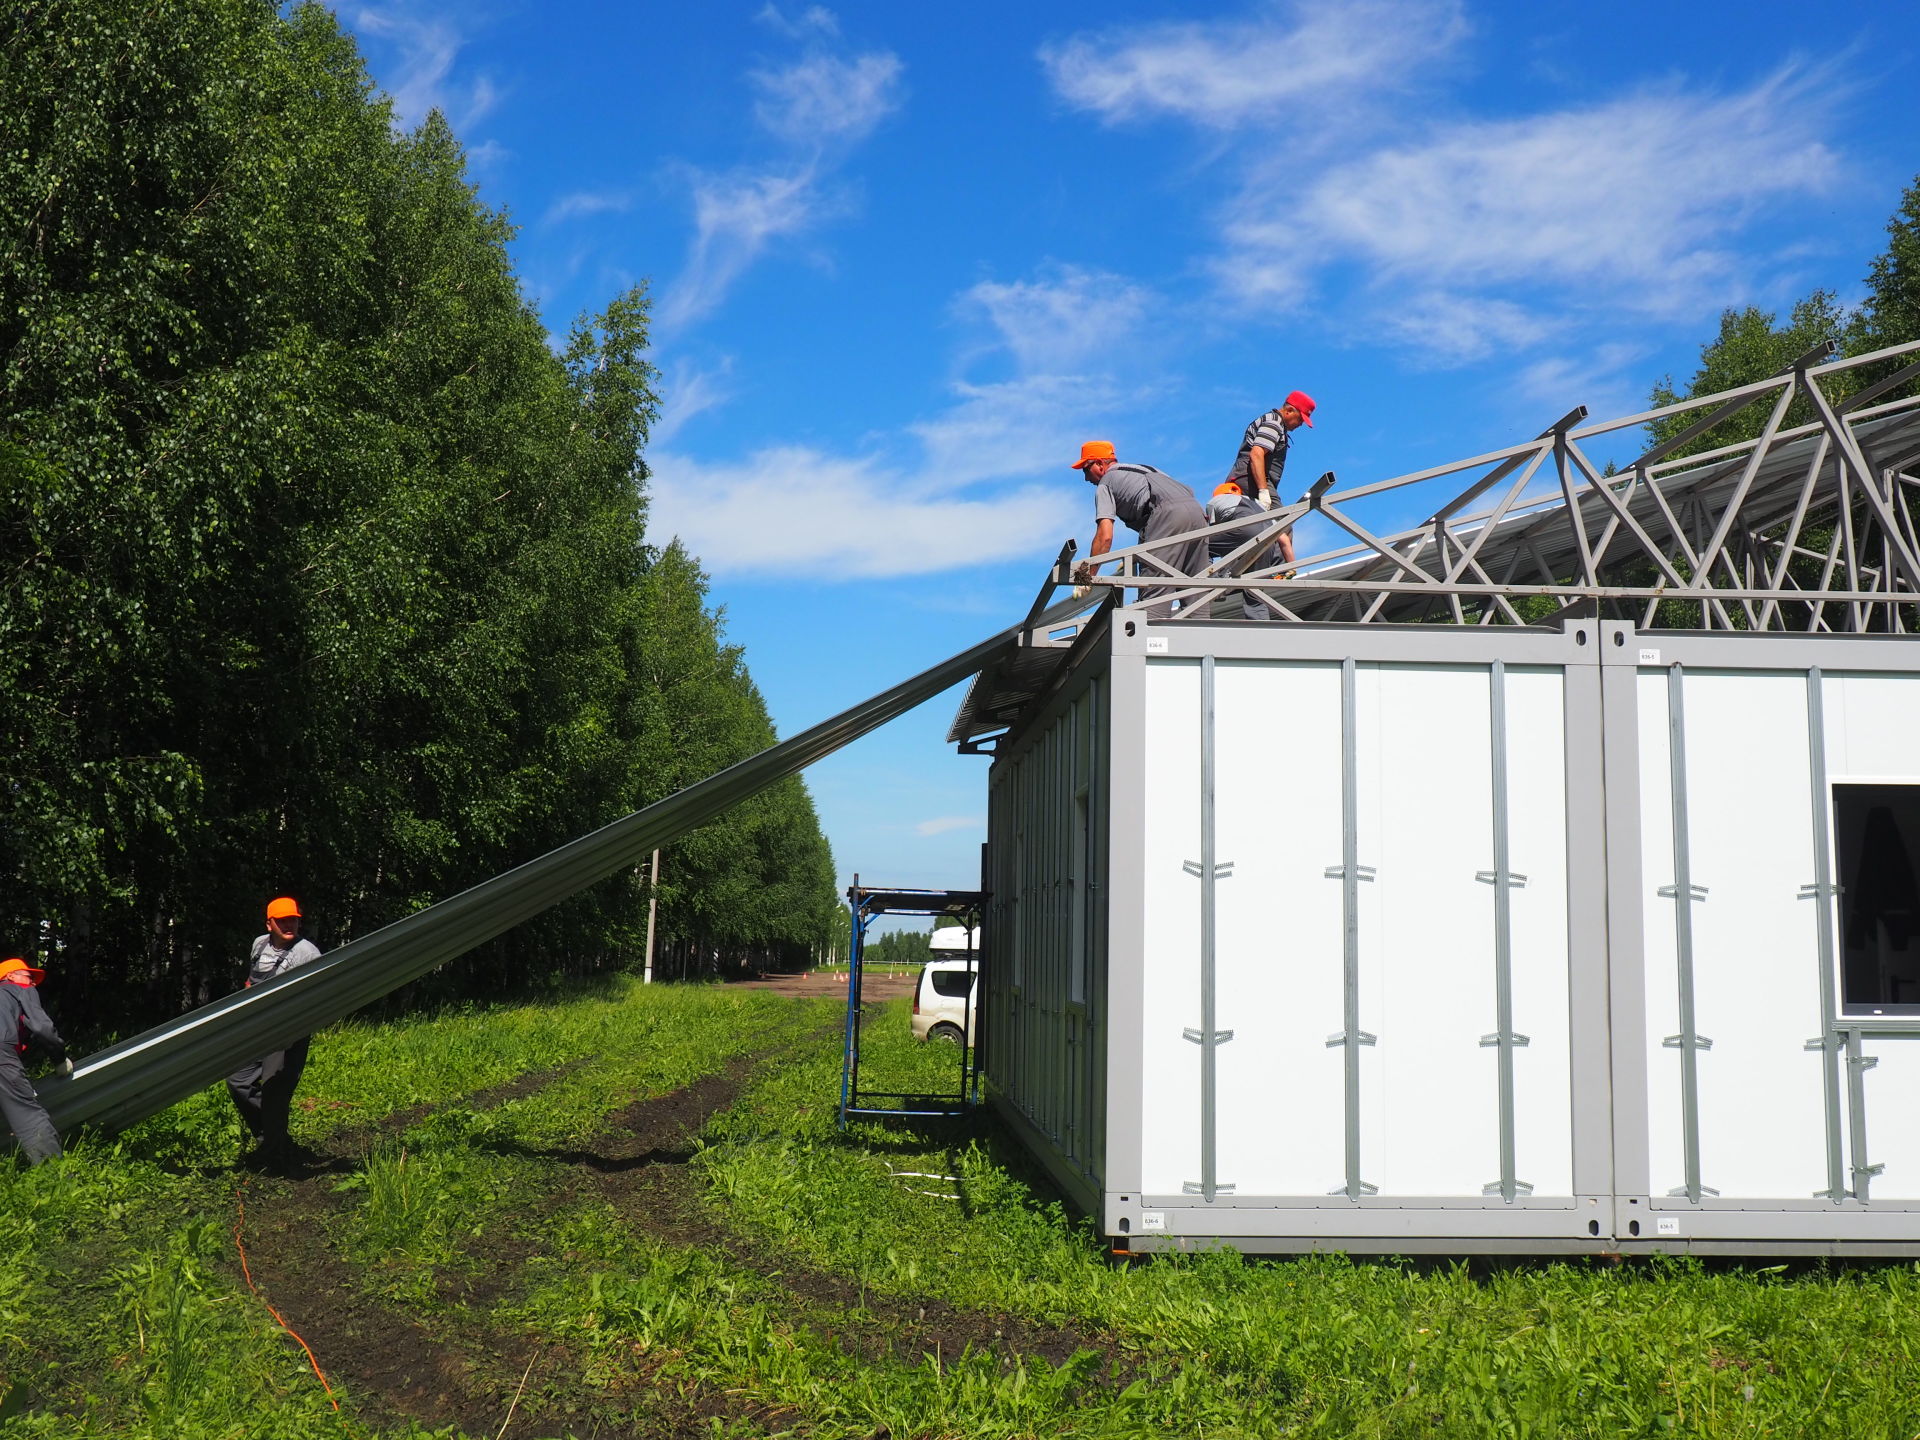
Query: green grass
x=121, y=1313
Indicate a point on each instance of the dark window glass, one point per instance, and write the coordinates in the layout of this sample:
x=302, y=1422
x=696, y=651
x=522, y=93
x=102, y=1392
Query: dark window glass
x=951, y=982
x=1877, y=841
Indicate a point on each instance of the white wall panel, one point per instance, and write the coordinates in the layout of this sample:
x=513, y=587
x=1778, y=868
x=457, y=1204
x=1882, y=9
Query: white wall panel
x=1891, y=1089
x=1537, y=844
x=1432, y=1104
x=1170, y=1064
x=1756, y=949
x=1278, y=937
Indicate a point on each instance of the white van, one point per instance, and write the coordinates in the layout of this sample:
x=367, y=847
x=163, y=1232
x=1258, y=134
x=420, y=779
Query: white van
x=946, y=997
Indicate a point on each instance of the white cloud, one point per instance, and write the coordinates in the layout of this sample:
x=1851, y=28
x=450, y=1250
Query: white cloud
x=423, y=45
x=1453, y=329
x=1604, y=379
x=1071, y=338
x=814, y=20
x=1634, y=201
x=794, y=511
x=687, y=390
x=950, y=822
x=1296, y=59
x=583, y=203
x=825, y=100
x=819, y=107
x=736, y=216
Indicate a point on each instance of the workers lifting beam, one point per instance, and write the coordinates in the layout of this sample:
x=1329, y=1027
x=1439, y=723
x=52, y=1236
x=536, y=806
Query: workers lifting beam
x=142, y=1076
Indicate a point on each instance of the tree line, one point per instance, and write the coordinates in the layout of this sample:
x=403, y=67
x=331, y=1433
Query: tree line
x=321, y=570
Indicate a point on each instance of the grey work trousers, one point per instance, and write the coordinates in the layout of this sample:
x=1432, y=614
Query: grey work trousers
x=28, y=1120
x=1175, y=515
x=263, y=1089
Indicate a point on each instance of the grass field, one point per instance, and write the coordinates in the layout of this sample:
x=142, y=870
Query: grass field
x=631, y=1214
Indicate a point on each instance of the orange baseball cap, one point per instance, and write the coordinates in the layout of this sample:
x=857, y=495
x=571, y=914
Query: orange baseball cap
x=1303, y=402
x=1094, y=450
x=286, y=907
x=17, y=966
x=1227, y=487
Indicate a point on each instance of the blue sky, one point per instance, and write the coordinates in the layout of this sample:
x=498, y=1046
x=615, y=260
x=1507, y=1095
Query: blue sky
x=905, y=258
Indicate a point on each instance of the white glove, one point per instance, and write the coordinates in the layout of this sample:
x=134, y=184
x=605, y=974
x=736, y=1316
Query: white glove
x=65, y=1067
x=1265, y=499
x=1080, y=592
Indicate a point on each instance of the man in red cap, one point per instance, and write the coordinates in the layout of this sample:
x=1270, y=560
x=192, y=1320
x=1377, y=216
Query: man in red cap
x=263, y=1089
x=1152, y=503
x=1263, y=452
x=24, y=1021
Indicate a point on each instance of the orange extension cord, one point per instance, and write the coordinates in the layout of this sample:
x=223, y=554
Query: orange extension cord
x=239, y=1221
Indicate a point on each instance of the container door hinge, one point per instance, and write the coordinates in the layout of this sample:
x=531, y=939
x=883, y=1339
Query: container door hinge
x=1681, y=1042
x=1223, y=870
x=1672, y=892
x=1360, y=872
x=1199, y=1037
x=1494, y=877
x=1510, y=1038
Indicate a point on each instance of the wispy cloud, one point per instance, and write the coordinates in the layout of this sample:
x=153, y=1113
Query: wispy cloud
x=1632, y=201
x=950, y=822
x=1068, y=336
x=1279, y=60
x=817, y=108
x=815, y=20
x=583, y=203
x=421, y=44
x=795, y=511
x=736, y=217
x=824, y=100
x=687, y=390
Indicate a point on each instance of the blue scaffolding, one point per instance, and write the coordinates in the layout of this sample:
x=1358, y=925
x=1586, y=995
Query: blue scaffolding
x=866, y=904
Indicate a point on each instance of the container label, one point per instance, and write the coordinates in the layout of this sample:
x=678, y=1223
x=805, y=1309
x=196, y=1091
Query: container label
x=1153, y=1219
x=1156, y=645
x=1649, y=657
x=1667, y=1225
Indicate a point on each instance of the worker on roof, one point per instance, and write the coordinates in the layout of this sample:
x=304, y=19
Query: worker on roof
x=1229, y=502
x=263, y=1089
x=1152, y=503
x=1263, y=453
x=24, y=1022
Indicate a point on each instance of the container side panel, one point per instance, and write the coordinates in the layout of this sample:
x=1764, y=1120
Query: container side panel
x=1756, y=951
x=1427, y=957
x=1282, y=1106
x=1666, y=1149
x=1872, y=721
x=1170, y=1064
x=1891, y=1090
x=1537, y=831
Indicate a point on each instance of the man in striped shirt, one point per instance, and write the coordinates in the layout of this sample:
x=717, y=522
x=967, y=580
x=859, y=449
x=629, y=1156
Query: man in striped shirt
x=1263, y=449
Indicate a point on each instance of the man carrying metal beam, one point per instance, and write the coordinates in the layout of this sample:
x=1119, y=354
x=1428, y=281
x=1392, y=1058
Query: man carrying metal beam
x=1152, y=503
x=1263, y=453
x=263, y=1089
x=24, y=1021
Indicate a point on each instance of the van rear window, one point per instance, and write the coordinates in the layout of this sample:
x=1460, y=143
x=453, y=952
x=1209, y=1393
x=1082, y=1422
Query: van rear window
x=952, y=982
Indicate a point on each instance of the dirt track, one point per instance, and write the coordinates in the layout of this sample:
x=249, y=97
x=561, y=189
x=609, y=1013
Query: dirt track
x=455, y=1368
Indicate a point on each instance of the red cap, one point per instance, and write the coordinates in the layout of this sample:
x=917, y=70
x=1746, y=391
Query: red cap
x=286, y=907
x=1303, y=402
x=1094, y=450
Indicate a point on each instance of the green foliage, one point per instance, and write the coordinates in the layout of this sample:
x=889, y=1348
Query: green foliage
x=1753, y=344
x=897, y=947
x=324, y=572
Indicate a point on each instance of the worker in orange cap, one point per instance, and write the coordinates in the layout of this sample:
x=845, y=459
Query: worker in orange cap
x=263, y=1089
x=1263, y=453
x=1229, y=503
x=24, y=1021
x=1152, y=503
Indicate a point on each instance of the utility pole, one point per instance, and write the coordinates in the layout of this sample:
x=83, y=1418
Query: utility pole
x=653, y=907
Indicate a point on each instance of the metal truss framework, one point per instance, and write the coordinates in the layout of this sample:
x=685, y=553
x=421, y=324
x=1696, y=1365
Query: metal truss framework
x=1805, y=527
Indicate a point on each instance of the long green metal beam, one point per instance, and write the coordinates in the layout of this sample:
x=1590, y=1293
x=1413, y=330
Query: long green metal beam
x=142, y=1076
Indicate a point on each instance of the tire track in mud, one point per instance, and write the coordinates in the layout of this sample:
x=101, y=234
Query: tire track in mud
x=401, y=1367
